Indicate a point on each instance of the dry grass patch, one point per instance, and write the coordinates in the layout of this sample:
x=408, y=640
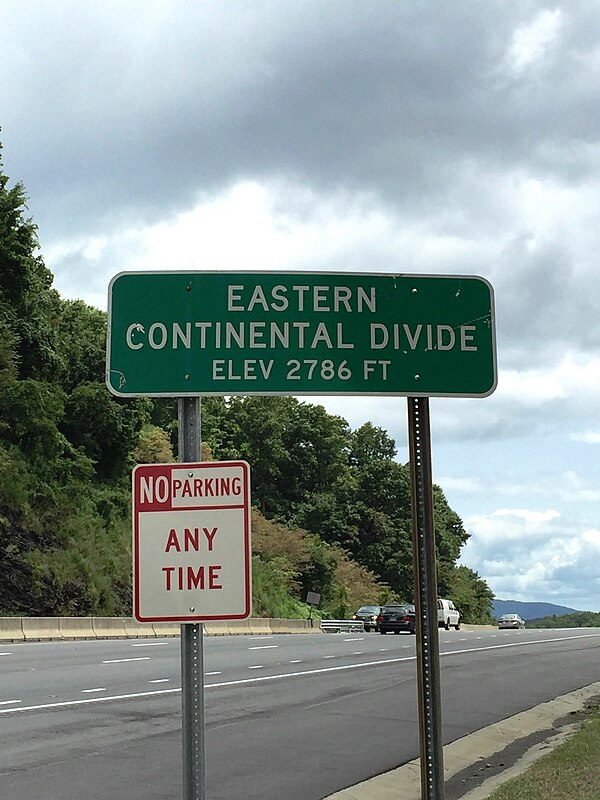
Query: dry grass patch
x=570, y=772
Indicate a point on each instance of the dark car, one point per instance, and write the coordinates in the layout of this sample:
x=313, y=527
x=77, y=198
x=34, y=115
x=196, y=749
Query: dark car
x=368, y=615
x=397, y=618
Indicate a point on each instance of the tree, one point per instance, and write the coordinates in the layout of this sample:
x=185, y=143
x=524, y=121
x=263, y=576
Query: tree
x=471, y=595
x=104, y=428
x=153, y=447
x=28, y=306
x=369, y=444
x=80, y=344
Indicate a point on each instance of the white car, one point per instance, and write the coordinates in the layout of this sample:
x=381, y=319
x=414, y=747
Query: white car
x=510, y=621
x=448, y=615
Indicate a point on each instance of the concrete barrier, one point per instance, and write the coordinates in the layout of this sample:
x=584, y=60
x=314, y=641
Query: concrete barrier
x=468, y=627
x=136, y=630
x=167, y=628
x=299, y=626
x=278, y=625
x=109, y=627
x=216, y=627
x=76, y=628
x=260, y=626
x=239, y=626
x=11, y=629
x=293, y=626
x=40, y=629
x=18, y=629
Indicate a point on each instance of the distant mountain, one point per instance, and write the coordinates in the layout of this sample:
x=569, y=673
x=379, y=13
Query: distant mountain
x=529, y=610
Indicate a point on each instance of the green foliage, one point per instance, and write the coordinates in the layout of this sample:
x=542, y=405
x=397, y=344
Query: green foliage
x=581, y=619
x=301, y=562
x=153, y=447
x=273, y=589
x=471, y=595
x=80, y=343
x=27, y=304
x=370, y=444
x=104, y=428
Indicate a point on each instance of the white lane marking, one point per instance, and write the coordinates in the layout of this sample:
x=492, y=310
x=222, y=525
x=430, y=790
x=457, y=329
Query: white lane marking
x=8, y=702
x=161, y=680
x=257, y=666
x=217, y=672
x=296, y=661
x=91, y=691
x=328, y=656
x=479, y=637
x=149, y=644
x=5, y=654
x=383, y=649
x=123, y=660
x=358, y=639
x=358, y=653
x=282, y=676
x=262, y=636
x=265, y=647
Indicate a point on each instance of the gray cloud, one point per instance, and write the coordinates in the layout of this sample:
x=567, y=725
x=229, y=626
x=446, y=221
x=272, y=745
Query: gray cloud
x=135, y=111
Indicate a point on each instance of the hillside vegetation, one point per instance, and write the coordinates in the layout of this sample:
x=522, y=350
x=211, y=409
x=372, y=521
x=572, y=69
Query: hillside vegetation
x=580, y=619
x=332, y=504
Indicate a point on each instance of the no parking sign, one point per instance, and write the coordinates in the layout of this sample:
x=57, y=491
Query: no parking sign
x=191, y=542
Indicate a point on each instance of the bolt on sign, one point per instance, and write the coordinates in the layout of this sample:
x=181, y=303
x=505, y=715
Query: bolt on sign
x=247, y=333
x=191, y=542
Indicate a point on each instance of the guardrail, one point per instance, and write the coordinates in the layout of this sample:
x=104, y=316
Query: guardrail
x=339, y=625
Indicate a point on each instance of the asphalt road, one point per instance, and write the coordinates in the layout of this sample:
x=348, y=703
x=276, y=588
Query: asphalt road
x=289, y=716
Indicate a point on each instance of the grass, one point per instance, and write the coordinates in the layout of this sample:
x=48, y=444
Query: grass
x=570, y=772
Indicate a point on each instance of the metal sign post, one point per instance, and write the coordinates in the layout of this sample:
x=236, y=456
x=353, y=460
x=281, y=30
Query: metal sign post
x=192, y=637
x=428, y=651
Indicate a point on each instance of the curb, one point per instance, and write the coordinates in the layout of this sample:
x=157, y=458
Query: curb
x=404, y=783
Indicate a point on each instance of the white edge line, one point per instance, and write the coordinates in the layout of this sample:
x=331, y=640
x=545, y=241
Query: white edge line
x=149, y=644
x=122, y=660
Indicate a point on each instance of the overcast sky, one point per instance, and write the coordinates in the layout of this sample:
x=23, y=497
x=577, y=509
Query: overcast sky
x=353, y=136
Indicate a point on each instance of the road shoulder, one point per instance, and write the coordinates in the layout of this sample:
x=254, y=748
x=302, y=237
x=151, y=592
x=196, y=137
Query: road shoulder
x=479, y=762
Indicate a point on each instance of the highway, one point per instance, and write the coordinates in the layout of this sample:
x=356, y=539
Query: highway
x=288, y=716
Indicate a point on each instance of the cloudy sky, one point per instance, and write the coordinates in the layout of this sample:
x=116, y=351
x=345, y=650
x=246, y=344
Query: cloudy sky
x=352, y=136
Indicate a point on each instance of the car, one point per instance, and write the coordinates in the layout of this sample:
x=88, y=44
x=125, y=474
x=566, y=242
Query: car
x=397, y=618
x=368, y=615
x=510, y=621
x=448, y=615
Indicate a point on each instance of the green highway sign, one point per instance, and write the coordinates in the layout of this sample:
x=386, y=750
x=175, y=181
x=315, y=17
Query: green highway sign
x=178, y=334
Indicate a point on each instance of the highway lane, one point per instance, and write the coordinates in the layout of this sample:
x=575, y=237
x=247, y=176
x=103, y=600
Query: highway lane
x=298, y=716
